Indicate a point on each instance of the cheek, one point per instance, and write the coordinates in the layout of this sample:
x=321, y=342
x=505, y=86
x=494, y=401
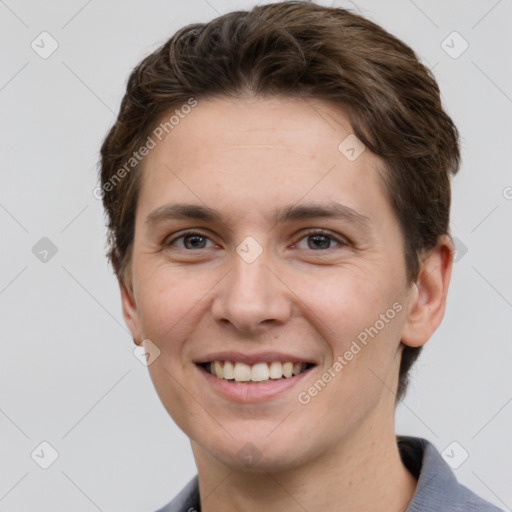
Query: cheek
x=167, y=304
x=360, y=325
x=344, y=300
x=169, y=386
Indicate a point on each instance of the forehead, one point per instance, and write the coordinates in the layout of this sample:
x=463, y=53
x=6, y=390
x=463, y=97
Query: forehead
x=253, y=153
x=285, y=124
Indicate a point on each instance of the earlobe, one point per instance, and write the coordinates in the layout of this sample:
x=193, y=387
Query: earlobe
x=130, y=311
x=427, y=300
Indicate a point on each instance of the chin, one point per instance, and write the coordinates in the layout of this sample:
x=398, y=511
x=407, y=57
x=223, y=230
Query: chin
x=259, y=452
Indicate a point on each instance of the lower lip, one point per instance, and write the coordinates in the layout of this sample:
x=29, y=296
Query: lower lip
x=255, y=392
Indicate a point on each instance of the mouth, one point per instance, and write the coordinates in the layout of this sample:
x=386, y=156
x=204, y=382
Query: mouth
x=238, y=372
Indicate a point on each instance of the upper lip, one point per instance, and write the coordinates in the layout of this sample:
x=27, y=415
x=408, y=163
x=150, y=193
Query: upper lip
x=260, y=357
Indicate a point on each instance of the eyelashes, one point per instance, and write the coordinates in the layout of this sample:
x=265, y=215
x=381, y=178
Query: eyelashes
x=186, y=234
x=316, y=234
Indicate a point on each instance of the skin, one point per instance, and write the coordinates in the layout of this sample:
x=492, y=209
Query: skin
x=245, y=157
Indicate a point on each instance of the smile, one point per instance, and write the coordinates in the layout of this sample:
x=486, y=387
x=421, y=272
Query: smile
x=260, y=372
x=254, y=377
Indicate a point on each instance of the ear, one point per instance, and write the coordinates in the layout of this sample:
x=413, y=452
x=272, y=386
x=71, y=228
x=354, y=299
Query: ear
x=130, y=311
x=427, y=300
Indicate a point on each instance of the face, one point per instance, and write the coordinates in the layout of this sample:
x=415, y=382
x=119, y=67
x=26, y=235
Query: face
x=255, y=276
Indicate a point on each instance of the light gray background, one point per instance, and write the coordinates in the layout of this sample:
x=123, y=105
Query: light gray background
x=68, y=375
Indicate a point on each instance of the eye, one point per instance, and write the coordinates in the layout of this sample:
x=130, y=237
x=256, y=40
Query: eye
x=319, y=240
x=322, y=240
x=192, y=240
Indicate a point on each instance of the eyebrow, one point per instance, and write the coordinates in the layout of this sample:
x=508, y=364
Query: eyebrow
x=284, y=214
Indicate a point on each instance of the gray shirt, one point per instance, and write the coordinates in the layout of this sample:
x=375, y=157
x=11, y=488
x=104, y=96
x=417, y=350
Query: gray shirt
x=437, y=489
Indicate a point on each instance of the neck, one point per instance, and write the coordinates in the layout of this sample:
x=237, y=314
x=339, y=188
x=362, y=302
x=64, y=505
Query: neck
x=365, y=473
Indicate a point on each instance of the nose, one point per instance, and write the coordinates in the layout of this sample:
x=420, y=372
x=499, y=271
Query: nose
x=252, y=296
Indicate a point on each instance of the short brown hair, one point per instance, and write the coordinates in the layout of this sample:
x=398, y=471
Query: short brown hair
x=298, y=48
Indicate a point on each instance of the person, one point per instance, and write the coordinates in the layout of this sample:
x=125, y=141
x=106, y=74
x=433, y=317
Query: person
x=277, y=191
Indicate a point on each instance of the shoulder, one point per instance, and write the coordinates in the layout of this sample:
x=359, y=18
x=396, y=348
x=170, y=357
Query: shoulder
x=186, y=501
x=438, y=488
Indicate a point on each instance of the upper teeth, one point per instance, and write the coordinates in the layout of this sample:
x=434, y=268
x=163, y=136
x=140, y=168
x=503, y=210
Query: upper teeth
x=242, y=372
